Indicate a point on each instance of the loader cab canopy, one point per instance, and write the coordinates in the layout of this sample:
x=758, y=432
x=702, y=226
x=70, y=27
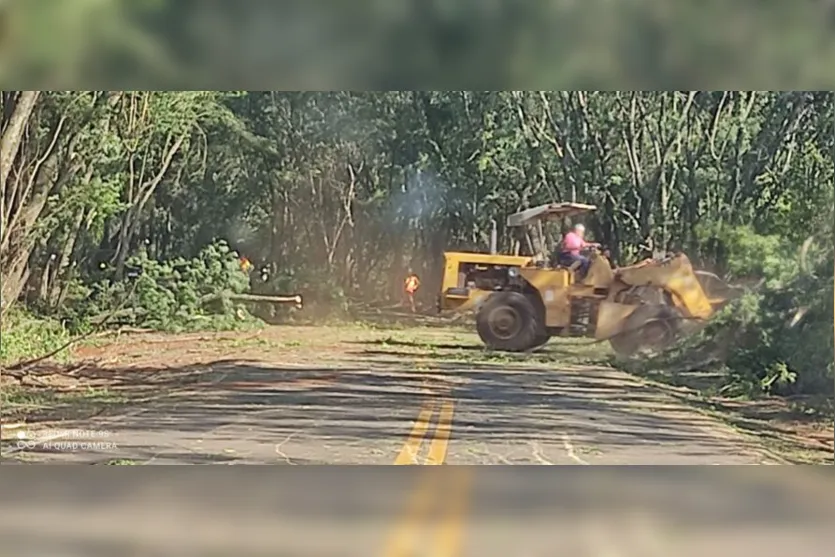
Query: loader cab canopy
x=533, y=227
x=548, y=212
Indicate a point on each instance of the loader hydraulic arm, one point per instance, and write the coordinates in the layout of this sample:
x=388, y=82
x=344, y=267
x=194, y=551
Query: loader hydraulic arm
x=676, y=276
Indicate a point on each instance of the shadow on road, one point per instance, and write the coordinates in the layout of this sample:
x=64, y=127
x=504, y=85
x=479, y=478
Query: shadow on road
x=377, y=399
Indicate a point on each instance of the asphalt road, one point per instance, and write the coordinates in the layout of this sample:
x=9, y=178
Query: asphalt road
x=382, y=414
x=466, y=414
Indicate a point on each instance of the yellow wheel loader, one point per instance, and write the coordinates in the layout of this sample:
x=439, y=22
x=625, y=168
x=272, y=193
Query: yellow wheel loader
x=522, y=301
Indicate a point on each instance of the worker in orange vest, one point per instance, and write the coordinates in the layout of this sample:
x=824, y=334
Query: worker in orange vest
x=246, y=265
x=411, y=285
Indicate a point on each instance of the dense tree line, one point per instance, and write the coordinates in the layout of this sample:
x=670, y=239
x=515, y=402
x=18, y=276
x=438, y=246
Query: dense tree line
x=339, y=193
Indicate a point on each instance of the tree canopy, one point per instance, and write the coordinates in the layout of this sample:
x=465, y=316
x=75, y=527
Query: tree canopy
x=338, y=193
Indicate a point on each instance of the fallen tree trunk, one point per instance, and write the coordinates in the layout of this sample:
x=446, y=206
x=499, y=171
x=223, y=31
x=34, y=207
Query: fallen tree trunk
x=283, y=299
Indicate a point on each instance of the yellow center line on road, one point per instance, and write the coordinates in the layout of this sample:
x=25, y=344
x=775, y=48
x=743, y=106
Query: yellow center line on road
x=449, y=535
x=438, y=447
x=446, y=492
x=431, y=495
x=409, y=452
x=405, y=539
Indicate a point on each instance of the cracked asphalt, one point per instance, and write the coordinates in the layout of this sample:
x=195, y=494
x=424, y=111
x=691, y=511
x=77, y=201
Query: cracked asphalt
x=341, y=398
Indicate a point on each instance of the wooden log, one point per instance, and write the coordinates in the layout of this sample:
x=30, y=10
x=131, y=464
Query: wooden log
x=290, y=299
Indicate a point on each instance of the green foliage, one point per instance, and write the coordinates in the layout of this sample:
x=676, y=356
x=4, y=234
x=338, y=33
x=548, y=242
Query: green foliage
x=789, y=347
x=778, y=337
x=746, y=254
x=174, y=295
x=25, y=336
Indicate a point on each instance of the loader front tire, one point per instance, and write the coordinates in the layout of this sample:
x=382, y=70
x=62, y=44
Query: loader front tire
x=507, y=322
x=650, y=327
x=625, y=344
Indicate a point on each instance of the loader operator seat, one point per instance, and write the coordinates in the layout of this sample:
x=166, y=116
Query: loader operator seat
x=554, y=259
x=557, y=262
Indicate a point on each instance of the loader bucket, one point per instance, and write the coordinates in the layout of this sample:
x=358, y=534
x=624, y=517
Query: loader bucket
x=718, y=292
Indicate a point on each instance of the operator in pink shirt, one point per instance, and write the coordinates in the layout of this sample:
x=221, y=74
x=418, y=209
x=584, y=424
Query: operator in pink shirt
x=572, y=244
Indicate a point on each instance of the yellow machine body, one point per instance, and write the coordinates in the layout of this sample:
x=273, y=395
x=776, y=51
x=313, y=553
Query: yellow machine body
x=608, y=298
x=467, y=277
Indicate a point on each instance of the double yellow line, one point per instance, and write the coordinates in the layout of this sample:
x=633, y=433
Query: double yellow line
x=440, y=442
x=440, y=500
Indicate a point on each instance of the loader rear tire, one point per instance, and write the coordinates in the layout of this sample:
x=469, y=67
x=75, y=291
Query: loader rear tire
x=507, y=321
x=541, y=339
